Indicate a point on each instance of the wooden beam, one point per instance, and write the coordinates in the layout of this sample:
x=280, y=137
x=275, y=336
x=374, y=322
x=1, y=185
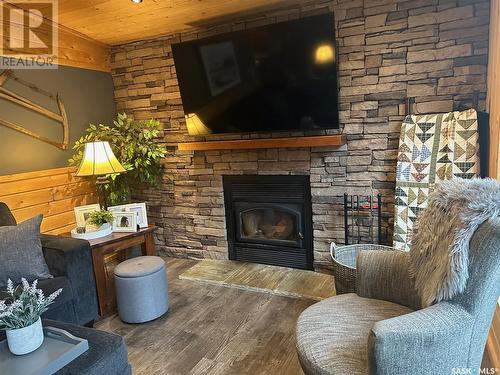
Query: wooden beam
x=290, y=142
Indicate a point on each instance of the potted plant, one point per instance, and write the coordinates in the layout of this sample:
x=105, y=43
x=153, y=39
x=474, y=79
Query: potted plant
x=136, y=145
x=99, y=220
x=98, y=224
x=20, y=316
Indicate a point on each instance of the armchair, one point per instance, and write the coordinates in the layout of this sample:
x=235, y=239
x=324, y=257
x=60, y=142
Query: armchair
x=382, y=329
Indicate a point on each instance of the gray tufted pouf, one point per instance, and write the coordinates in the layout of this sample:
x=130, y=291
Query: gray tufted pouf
x=141, y=289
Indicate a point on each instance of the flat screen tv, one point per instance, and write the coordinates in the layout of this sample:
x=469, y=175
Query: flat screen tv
x=271, y=78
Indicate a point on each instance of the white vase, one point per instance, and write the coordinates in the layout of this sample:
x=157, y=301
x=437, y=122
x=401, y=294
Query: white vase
x=25, y=340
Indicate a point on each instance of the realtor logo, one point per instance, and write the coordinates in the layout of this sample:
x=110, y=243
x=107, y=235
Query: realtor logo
x=28, y=36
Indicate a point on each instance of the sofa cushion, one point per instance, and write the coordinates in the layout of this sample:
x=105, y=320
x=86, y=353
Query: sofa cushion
x=6, y=217
x=63, y=308
x=51, y=285
x=21, y=252
x=332, y=335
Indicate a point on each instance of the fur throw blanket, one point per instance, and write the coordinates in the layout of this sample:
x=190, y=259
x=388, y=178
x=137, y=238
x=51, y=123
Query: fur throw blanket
x=439, y=256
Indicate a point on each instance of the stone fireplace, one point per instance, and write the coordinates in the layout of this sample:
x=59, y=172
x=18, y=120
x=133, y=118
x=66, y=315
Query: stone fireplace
x=435, y=52
x=269, y=219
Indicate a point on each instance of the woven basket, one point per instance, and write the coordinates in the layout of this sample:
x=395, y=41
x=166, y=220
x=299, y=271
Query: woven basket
x=344, y=264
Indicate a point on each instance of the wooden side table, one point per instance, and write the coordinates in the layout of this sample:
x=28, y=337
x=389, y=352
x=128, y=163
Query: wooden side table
x=116, y=243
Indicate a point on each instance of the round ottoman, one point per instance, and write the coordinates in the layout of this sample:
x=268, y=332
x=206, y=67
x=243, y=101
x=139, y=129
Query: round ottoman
x=141, y=289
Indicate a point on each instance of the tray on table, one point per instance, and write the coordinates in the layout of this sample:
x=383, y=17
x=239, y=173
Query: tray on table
x=58, y=349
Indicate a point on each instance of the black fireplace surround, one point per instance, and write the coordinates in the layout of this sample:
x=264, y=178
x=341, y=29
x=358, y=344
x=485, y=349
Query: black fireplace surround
x=269, y=220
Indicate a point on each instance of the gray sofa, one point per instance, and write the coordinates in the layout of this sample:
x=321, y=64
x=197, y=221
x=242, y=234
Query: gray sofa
x=383, y=330
x=70, y=262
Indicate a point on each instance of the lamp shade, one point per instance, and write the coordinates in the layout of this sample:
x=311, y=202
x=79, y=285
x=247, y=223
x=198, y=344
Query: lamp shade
x=195, y=125
x=98, y=159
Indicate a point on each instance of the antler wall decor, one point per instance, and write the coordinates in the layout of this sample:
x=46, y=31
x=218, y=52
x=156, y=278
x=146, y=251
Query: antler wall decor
x=28, y=104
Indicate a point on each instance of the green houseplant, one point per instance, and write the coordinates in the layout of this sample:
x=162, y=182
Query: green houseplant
x=100, y=220
x=100, y=217
x=133, y=143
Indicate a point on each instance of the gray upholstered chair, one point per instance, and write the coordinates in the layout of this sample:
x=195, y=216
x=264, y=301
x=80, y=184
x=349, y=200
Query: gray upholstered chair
x=383, y=330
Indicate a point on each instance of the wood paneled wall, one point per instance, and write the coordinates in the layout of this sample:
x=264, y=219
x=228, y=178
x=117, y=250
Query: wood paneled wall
x=80, y=51
x=53, y=193
x=75, y=49
x=494, y=88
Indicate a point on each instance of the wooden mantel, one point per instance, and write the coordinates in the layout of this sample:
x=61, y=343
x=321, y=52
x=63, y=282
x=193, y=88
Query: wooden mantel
x=289, y=142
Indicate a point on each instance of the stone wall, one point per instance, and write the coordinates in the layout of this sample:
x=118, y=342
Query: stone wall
x=433, y=50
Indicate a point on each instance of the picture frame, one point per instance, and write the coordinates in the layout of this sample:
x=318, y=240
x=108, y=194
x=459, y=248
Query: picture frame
x=138, y=208
x=82, y=213
x=124, y=221
x=119, y=208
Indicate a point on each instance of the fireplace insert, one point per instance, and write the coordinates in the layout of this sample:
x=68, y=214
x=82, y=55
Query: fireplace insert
x=268, y=219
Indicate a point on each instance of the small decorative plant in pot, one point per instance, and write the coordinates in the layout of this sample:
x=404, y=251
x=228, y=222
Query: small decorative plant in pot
x=98, y=220
x=20, y=316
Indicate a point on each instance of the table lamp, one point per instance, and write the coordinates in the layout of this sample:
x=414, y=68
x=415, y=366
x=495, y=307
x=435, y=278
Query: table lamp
x=99, y=160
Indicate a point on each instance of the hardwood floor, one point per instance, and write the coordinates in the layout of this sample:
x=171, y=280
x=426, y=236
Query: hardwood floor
x=213, y=329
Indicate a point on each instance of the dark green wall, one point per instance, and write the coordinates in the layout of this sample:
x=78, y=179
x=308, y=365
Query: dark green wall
x=88, y=98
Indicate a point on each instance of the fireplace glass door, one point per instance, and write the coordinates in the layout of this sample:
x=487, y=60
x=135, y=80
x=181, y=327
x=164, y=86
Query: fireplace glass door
x=271, y=223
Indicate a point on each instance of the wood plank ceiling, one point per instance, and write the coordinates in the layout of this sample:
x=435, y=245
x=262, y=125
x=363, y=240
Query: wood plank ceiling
x=120, y=21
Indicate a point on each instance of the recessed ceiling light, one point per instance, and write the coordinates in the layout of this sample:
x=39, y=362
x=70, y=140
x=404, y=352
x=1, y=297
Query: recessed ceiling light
x=137, y=1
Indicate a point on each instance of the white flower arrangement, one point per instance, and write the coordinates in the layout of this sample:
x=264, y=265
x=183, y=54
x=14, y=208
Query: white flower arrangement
x=24, y=305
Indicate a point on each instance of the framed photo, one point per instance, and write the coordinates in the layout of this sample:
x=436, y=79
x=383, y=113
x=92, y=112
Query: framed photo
x=82, y=213
x=120, y=208
x=138, y=208
x=221, y=66
x=124, y=222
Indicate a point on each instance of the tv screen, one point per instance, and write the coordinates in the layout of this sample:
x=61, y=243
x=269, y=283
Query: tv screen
x=271, y=78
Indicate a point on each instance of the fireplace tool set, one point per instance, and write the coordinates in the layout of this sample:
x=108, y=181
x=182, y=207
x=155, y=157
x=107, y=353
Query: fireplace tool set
x=363, y=232
x=362, y=219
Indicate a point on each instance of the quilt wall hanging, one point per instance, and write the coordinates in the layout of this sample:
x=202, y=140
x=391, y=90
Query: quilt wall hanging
x=432, y=148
